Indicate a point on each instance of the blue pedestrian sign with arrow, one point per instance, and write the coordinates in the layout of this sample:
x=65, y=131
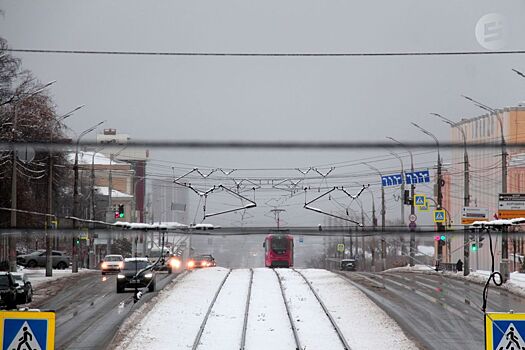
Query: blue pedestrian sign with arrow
x=391, y=180
x=417, y=177
x=27, y=330
x=504, y=331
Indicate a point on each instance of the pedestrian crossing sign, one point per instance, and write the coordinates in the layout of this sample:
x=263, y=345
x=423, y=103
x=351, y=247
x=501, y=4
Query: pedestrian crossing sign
x=504, y=331
x=439, y=215
x=419, y=199
x=27, y=330
x=424, y=207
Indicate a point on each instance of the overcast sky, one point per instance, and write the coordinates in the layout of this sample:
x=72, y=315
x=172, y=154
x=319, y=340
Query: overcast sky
x=265, y=98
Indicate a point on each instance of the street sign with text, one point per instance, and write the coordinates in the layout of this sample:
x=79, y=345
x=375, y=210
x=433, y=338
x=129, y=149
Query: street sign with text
x=511, y=205
x=417, y=177
x=471, y=214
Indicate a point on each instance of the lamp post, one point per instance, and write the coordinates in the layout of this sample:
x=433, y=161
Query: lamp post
x=49, y=259
x=402, y=187
x=74, y=267
x=14, y=204
x=466, y=191
x=440, y=226
x=383, y=213
x=504, y=267
x=412, y=207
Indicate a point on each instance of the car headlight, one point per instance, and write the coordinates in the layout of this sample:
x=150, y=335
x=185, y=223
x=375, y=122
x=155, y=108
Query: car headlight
x=175, y=263
x=120, y=276
x=191, y=263
x=104, y=265
x=148, y=275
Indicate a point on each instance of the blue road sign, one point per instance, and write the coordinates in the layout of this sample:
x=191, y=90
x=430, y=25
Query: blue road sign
x=417, y=177
x=420, y=199
x=27, y=330
x=392, y=180
x=504, y=331
x=439, y=216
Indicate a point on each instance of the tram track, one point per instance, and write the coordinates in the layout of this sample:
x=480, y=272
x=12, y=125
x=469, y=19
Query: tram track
x=246, y=313
x=290, y=318
x=208, y=312
x=326, y=311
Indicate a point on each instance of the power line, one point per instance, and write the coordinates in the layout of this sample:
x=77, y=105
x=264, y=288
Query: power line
x=268, y=54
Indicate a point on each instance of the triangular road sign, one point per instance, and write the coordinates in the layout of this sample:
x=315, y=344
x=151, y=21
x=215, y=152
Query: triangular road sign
x=25, y=339
x=512, y=340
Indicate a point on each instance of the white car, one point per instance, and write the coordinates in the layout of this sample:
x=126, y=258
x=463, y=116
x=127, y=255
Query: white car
x=112, y=263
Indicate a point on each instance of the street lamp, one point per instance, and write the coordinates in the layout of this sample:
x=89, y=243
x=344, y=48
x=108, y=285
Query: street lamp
x=466, y=190
x=383, y=213
x=55, y=121
x=402, y=186
x=504, y=268
x=412, y=207
x=14, y=204
x=74, y=266
x=518, y=73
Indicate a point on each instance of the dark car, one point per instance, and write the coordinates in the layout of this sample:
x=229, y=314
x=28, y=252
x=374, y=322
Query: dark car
x=203, y=260
x=38, y=259
x=24, y=289
x=8, y=290
x=127, y=278
x=348, y=265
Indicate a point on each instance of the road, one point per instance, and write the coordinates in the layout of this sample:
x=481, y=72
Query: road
x=437, y=312
x=89, y=311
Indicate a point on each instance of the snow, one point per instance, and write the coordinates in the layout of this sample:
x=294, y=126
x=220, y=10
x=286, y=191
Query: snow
x=425, y=250
x=87, y=158
x=114, y=193
x=144, y=226
x=38, y=278
x=224, y=327
x=313, y=326
x=363, y=323
x=268, y=324
x=173, y=320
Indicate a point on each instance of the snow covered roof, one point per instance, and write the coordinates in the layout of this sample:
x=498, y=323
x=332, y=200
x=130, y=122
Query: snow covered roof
x=144, y=226
x=86, y=158
x=114, y=193
x=498, y=223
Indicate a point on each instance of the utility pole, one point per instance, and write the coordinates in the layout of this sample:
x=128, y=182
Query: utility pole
x=11, y=240
x=412, y=206
x=504, y=264
x=439, y=184
x=466, y=193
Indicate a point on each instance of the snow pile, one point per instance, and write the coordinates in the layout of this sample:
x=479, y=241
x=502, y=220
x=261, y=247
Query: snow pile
x=415, y=268
x=173, y=322
x=104, y=191
x=515, y=284
x=38, y=278
x=363, y=323
x=144, y=226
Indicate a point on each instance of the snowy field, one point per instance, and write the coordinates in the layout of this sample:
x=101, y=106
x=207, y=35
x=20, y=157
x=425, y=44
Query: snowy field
x=38, y=278
x=174, y=319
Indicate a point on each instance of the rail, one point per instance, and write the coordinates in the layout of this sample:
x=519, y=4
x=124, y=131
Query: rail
x=205, y=320
x=325, y=309
x=246, y=312
x=290, y=318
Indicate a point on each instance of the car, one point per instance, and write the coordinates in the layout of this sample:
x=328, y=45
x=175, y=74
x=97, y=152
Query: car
x=348, y=265
x=24, y=289
x=112, y=263
x=203, y=260
x=38, y=259
x=8, y=291
x=136, y=273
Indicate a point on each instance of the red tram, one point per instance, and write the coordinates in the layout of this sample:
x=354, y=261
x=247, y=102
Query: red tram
x=278, y=250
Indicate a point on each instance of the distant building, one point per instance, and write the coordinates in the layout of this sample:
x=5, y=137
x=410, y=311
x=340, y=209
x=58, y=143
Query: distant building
x=169, y=202
x=485, y=170
x=114, y=147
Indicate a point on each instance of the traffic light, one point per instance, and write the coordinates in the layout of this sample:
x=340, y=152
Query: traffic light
x=474, y=247
x=121, y=210
x=440, y=239
x=77, y=241
x=407, y=200
x=480, y=241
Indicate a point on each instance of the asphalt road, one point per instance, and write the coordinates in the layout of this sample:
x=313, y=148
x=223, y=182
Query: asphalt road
x=89, y=310
x=436, y=312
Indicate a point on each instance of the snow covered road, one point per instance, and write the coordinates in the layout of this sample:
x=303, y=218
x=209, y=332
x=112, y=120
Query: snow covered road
x=174, y=321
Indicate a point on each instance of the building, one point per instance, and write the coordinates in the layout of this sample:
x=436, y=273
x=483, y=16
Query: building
x=114, y=146
x=485, y=170
x=169, y=201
